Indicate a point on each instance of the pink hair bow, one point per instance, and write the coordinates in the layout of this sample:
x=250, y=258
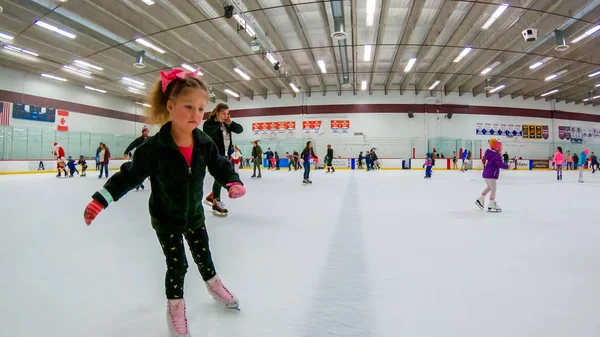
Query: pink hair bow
x=174, y=74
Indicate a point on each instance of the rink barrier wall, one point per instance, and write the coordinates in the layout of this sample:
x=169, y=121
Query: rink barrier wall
x=477, y=164
x=31, y=166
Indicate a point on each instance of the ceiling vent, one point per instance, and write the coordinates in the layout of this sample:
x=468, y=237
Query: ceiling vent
x=211, y=92
x=488, y=86
x=139, y=60
x=347, y=86
x=340, y=35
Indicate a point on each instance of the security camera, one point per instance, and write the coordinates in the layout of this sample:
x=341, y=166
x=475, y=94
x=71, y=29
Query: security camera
x=228, y=11
x=530, y=34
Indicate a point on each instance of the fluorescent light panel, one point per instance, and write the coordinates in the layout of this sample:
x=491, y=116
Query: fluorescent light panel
x=150, y=45
x=243, y=74
x=549, y=93
x=132, y=81
x=322, y=66
x=586, y=34
x=410, y=64
x=54, y=77
x=271, y=58
x=367, y=56
x=190, y=68
x=55, y=29
x=490, y=68
x=553, y=76
x=294, y=87
x=5, y=36
x=136, y=91
x=244, y=24
x=462, y=54
x=435, y=84
x=148, y=2
x=363, y=85
x=598, y=85
x=535, y=65
x=17, y=49
x=95, y=89
x=77, y=71
x=232, y=93
x=370, y=13
x=495, y=16
x=594, y=74
x=88, y=65
x=498, y=88
x=144, y=104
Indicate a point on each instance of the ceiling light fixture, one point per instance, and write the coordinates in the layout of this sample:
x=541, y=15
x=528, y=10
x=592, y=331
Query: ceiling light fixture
x=322, y=66
x=462, y=54
x=271, y=58
x=594, y=74
x=553, y=76
x=148, y=2
x=191, y=69
x=95, y=89
x=294, y=87
x=85, y=64
x=136, y=91
x=539, y=63
x=5, y=36
x=495, y=16
x=363, y=85
x=77, y=71
x=144, y=104
x=370, y=12
x=55, y=29
x=586, y=34
x=244, y=24
x=243, y=74
x=134, y=82
x=490, y=68
x=598, y=85
x=367, y=56
x=13, y=48
x=549, y=93
x=54, y=77
x=410, y=64
x=435, y=84
x=232, y=93
x=498, y=88
x=150, y=45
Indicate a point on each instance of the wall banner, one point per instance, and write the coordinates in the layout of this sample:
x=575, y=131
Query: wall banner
x=340, y=126
x=273, y=127
x=33, y=112
x=498, y=129
x=311, y=126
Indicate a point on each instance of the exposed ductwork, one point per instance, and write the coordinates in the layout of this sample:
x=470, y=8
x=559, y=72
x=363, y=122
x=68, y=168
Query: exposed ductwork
x=339, y=34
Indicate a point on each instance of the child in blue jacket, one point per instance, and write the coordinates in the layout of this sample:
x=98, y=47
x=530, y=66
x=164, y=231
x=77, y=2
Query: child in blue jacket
x=581, y=163
x=428, y=164
x=71, y=166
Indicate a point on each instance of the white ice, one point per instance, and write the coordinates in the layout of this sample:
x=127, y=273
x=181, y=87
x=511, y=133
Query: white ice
x=383, y=253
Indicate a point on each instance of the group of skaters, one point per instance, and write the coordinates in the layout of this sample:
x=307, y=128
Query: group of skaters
x=370, y=159
x=61, y=165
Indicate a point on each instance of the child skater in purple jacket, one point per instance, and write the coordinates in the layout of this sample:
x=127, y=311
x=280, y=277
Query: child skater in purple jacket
x=491, y=172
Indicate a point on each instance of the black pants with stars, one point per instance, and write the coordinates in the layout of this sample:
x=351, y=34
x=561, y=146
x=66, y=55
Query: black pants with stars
x=174, y=250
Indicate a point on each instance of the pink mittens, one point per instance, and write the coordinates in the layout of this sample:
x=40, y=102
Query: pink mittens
x=91, y=211
x=236, y=190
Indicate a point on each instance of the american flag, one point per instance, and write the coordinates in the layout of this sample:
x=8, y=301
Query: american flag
x=4, y=113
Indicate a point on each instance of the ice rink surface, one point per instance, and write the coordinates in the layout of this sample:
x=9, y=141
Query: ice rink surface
x=382, y=253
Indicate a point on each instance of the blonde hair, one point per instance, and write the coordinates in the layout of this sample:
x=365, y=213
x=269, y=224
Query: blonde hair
x=158, y=113
x=219, y=108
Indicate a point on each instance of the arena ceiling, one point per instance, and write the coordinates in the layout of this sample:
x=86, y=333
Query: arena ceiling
x=381, y=38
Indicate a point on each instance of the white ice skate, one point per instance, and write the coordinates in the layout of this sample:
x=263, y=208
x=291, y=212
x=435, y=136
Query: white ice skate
x=480, y=202
x=494, y=207
x=218, y=291
x=176, y=318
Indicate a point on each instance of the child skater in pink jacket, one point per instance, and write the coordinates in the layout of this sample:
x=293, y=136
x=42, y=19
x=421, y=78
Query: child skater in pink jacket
x=558, y=160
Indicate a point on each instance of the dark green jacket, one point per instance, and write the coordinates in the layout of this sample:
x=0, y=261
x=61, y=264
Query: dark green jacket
x=257, y=152
x=213, y=129
x=177, y=190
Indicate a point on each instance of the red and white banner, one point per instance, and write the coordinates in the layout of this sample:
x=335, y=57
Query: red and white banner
x=62, y=116
x=309, y=126
x=338, y=126
x=272, y=127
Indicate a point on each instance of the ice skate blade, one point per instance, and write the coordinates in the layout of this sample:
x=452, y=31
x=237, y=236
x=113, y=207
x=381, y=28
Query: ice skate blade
x=222, y=215
x=494, y=210
x=207, y=203
x=478, y=204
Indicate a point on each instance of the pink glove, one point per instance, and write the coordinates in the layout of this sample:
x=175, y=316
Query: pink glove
x=236, y=190
x=91, y=211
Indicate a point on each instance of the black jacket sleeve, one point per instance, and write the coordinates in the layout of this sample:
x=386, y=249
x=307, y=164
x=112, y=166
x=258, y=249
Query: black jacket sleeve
x=136, y=142
x=130, y=175
x=212, y=128
x=235, y=127
x=219, y=167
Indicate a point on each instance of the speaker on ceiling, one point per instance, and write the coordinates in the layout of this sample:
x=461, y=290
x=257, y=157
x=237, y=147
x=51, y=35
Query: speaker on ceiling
x=449, y=115
x=411, y=114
